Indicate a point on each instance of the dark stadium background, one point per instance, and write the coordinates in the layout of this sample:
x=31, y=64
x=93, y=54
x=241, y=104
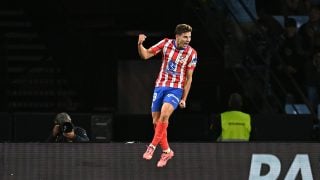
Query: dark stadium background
x=80, y=57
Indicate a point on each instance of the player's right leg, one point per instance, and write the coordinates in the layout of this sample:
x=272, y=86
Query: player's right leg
x=149, y=152
x=155, y=108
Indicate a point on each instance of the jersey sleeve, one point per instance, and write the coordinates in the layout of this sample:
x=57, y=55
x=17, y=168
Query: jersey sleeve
x=155, y=49
x=193, y=62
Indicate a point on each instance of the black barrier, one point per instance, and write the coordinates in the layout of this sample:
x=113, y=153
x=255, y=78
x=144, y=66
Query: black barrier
x=184, y=127
x=192, y=161
x=5, y=127
x=133, y=128
x=101, y=128
x=281, y=127
x=32, y=127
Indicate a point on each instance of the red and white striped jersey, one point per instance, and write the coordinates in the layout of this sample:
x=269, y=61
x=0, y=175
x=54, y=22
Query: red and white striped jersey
x=175, y=63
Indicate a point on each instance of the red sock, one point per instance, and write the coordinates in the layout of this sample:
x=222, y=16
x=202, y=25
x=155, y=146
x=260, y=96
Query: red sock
x=164, y=141
x=154, y=128
x=161, y=128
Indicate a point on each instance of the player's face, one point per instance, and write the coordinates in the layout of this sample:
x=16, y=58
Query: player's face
x=183, y=39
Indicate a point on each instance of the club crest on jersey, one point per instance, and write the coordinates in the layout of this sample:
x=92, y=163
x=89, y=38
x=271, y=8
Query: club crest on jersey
x=182, y=59
x=172, y=68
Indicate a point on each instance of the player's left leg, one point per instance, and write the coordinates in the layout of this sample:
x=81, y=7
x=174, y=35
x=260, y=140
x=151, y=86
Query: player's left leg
x=162, y=123
x=166, y=111
x=165, y=157
x=156, y=109
x=150, y=149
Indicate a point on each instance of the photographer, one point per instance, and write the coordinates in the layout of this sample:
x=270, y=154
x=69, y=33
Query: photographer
x=65, y=131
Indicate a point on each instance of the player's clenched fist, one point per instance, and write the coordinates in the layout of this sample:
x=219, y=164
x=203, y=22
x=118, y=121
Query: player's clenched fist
x=182, y=104
x=141, y=39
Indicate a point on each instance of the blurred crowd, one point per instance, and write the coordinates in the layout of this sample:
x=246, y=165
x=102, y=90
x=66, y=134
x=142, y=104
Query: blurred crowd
x=286, y=54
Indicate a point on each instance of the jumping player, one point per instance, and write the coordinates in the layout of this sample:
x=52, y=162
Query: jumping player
x=172, y=86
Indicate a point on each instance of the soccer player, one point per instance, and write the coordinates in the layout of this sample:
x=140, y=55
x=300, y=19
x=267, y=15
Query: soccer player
x=172, y=85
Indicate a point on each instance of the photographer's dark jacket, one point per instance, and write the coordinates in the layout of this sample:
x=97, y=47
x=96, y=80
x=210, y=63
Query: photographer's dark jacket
x=81, y=136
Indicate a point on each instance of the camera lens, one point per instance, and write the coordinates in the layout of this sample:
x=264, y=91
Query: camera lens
x=67, y=127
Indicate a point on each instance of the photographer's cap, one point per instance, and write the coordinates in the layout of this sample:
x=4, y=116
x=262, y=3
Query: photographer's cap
x=62, y=118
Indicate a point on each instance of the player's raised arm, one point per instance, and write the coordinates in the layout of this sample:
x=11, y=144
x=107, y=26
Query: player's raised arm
x=143, y=52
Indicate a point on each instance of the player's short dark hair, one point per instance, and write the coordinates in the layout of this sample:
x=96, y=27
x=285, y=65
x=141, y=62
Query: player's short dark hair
x=62, y=118
x=182, y=28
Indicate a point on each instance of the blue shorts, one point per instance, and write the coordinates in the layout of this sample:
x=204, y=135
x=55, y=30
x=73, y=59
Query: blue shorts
x=165, y=94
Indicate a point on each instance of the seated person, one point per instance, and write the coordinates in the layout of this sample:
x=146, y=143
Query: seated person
x=65, y=131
